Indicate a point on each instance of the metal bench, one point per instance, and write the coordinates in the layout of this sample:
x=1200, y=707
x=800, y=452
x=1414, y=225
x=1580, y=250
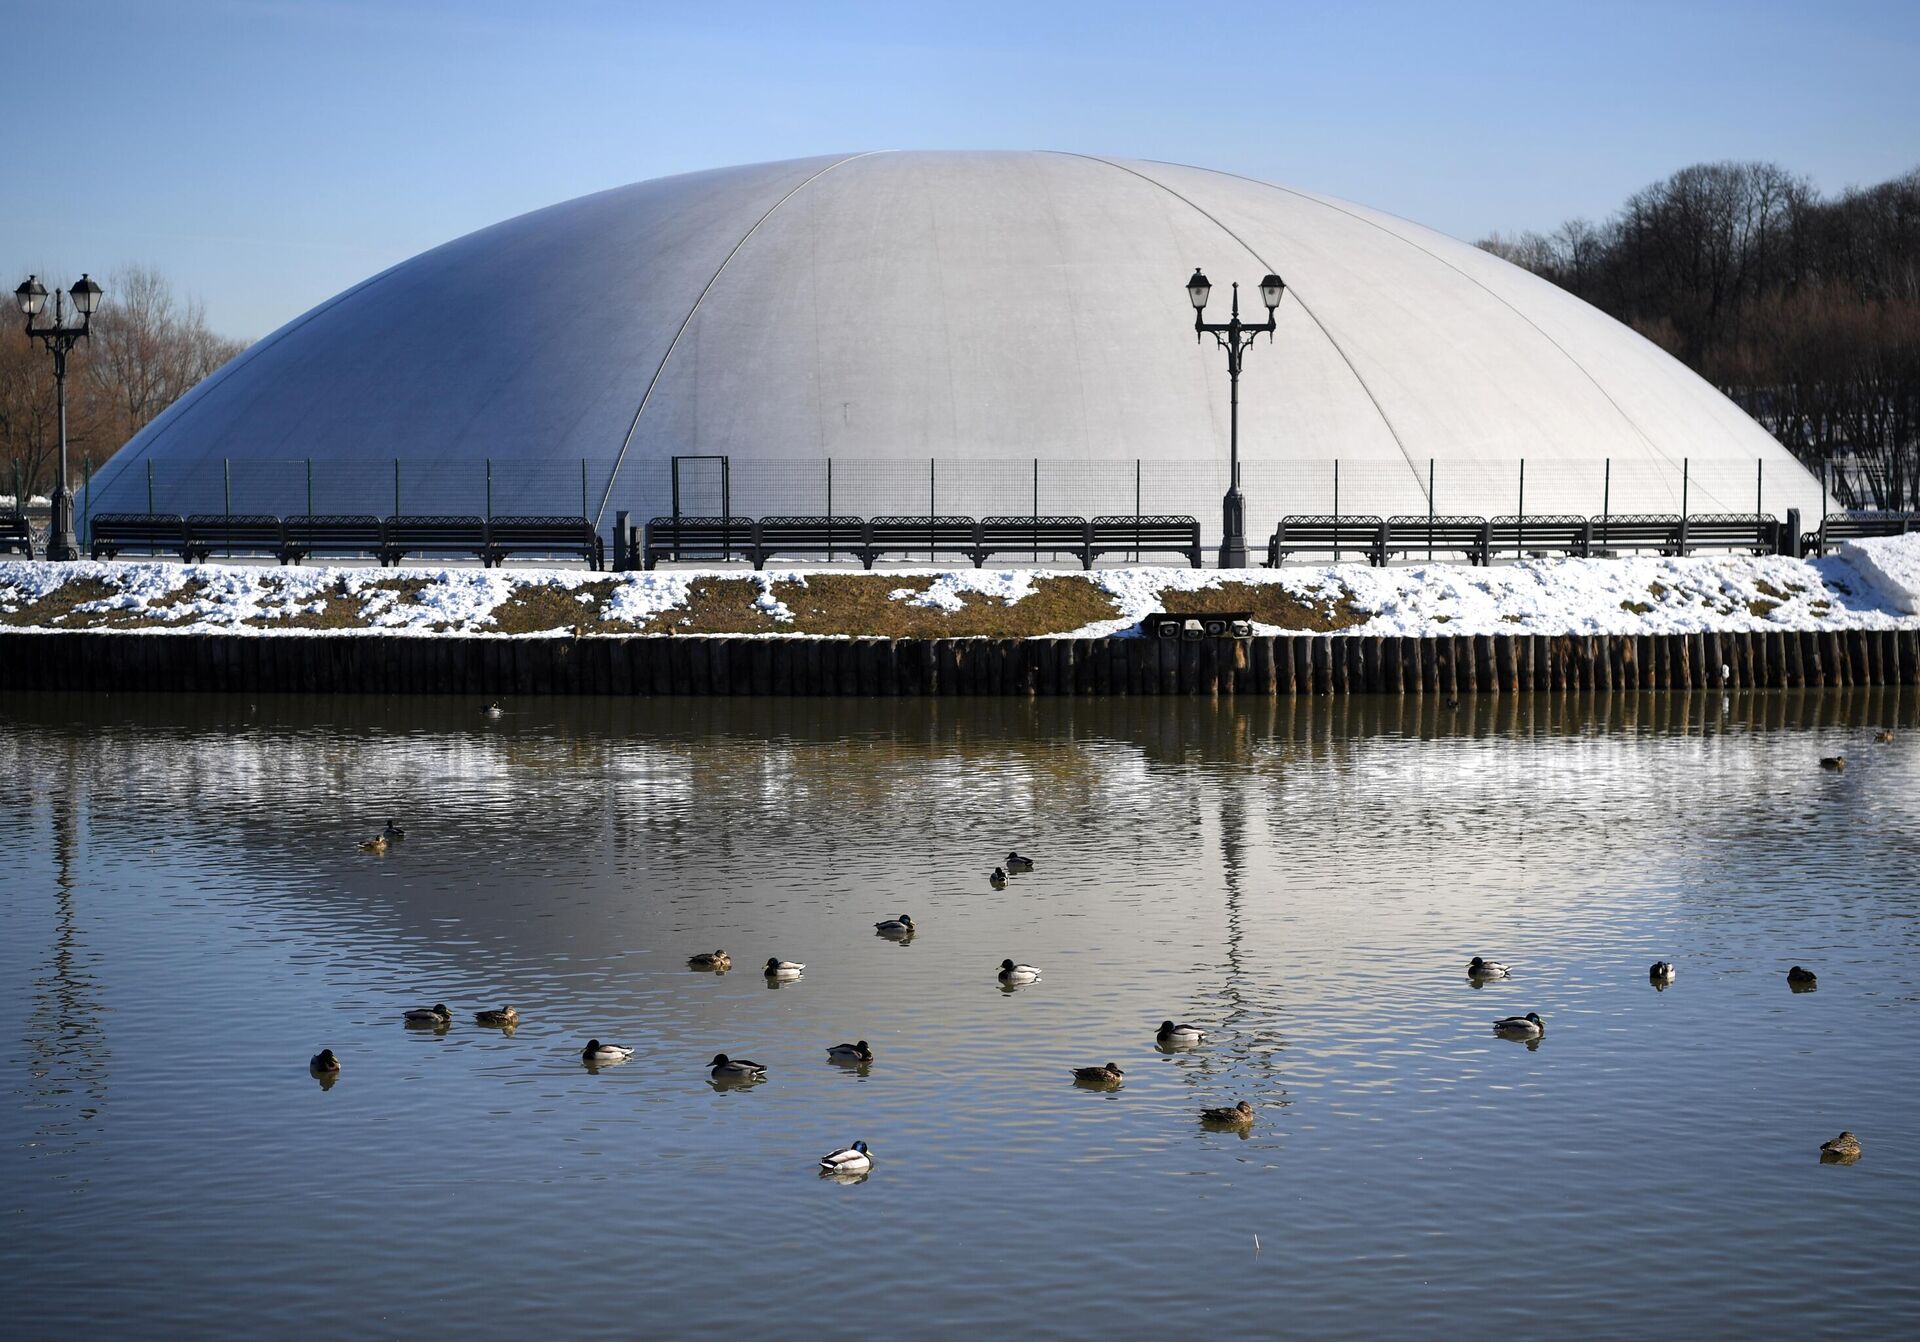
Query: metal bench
x=16, y=537
x=434, y=534
x=1758, y=533
x=233, y=533
x=1857, y=526
x=912, y=536
x=831, y=537
x=716, y=538
x=1335, y=535
x=544, y=536
x=1126, y=534
x=1637, y=531
x=1461, y=534
x=1031, y=535
x=1561, y=533
x=144, y=533
x=345, y=534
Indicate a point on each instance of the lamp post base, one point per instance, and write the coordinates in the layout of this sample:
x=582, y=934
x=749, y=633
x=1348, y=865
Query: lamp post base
x=1233, y=530
x=62, y=543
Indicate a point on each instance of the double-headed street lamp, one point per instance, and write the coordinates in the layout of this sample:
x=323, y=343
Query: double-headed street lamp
x=62, y=543
x=1234, y=336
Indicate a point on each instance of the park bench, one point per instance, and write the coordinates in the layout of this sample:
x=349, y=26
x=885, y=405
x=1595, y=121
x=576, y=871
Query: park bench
x=16, y=537
x=434, y=534
x=913, y=536
x=1131, y=533
x=1755, y=532
x=544, y=536
x=146, y=533
x=716, y=538
x=1855, y=526
x=1414, y=533
x=1546, y=533
x=1320, y=534
x=333, y=534
x=1031, y=535
x=233, y=533
x=1637, y=531
x=828, y=537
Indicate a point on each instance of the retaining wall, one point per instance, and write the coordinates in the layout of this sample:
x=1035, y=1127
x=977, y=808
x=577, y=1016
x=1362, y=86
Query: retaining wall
x=1276, y=665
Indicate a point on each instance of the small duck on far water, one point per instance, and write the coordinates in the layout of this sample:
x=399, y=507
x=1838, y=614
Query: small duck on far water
x=1015, y=974
x=505, y=1018
x=435, y=1017
x=377, y=844
x=1802, y=980
x=597, y=1054
x=1017, y=863
x=1235, y=1116
x=1661, y=972
x=859, y=1053
x=724, y=1068
x=715, y=961
x=1110, y=1075
x=784, y=969
x=1529, y=1026
x=896, y=927
x=1842, y=1150
x=324, y=1063
x=393, y=833
x=855, y=1159
x=999, y=878
x=1834, y=763
x=1885, y=737
x=1170, y=1035
x=1487, y=969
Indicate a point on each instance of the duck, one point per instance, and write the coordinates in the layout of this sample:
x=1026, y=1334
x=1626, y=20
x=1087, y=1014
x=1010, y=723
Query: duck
x=1529, y=1026
x=393, y=833
x=1833, y=763
x=1884, y=737
x=1109, y=1075
x=896, y=927
x=1661, y=971
x=1179, y=1036
x=851, y=1052
x=1013, y=973
x=492, y=710
x=597, y=1054
x=506, y=1016
x=1238, y=1115
x=711, y=960
x=1478, y=968
x=784, y=969
x=999, y=878
x=1802, y=978
x=377, y=844
x=436, y=1015
x=1017, y=863
x=736, y=1069
x=855, y=1159
x=324, y=1063
x=1844, y=1149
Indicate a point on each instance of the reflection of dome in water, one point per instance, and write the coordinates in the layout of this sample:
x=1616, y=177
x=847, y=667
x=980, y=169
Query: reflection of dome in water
x=972, y=307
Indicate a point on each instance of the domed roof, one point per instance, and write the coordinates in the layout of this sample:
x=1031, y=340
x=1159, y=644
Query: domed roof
x=968, y=308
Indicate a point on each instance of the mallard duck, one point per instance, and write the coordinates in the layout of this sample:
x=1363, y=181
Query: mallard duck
x=1109, y=1075
x=1844, y=1149
x=1487, y=969
x=1529, y=1026
x=1885, y=738
x=377, y=844
x=1017, y=863
x=1179, y=1036
x=1833, y=763
x=851, y=1052
x=323, y=1063
x=736, y=1069
x=1661, y=971
x=1802, y=978
x=1238, y=1116
x=492, y=710
x=436, y=1016
x=896, y=927
x=854, y=1159
x=999, y=878
x=784, y=969
x=597, y=1054
x=393, y=833
x=1013, y=973
x=505, y=1016
x=711, y=960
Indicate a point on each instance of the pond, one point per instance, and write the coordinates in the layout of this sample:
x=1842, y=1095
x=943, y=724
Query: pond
x=186, y=916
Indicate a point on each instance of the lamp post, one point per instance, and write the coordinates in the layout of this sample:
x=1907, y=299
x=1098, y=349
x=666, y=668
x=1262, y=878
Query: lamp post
x=1234, y=336
x=60, y=338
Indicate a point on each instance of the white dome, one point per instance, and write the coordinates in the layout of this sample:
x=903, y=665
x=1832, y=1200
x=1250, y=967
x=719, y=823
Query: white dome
x=980, y=309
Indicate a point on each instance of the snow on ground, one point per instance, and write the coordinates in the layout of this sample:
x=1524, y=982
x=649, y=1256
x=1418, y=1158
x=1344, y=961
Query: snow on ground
x=1893, y=564
x=1870, y=584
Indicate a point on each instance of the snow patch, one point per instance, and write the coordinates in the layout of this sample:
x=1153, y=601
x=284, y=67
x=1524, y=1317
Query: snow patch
x=949, y=591
x=1891, y=563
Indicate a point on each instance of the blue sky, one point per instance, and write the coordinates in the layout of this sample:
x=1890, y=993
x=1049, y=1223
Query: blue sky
x=267, y=153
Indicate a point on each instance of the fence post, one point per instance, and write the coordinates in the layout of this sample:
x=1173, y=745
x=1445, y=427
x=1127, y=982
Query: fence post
x=1823, y=503
x=1759, y=484
x=1606, y=501
x=1136, y=510
x=1336, y=510
x=932, y=510
x=830, y=527
x=396, y=486
x=149, y=486
x=1523, y=496
x=309, y=486
x=86, y=513
x=489, y=489
x=583, y=491
x=1429, y=510
x=226, y=493
x=1036, y=510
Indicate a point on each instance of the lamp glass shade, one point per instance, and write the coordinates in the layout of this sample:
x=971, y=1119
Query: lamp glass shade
x=86, y=295
x=1270, y=290
x=1197, y=289
x=31, y=296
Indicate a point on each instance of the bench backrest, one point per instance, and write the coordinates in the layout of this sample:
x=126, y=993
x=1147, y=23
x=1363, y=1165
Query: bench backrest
x=1031, y=530
x=1730, y=523
x=1313, y=528
x=1635, y=526
x=435, y=528
x=571, y=530
x=911, y=531
x=1149, y=528
x=138, y=526
x=1442, y=525
x=702, y=532
x=1866, y=524
x=14, y=524
x=263, y=527
x=843, y=532
x=343, y=529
